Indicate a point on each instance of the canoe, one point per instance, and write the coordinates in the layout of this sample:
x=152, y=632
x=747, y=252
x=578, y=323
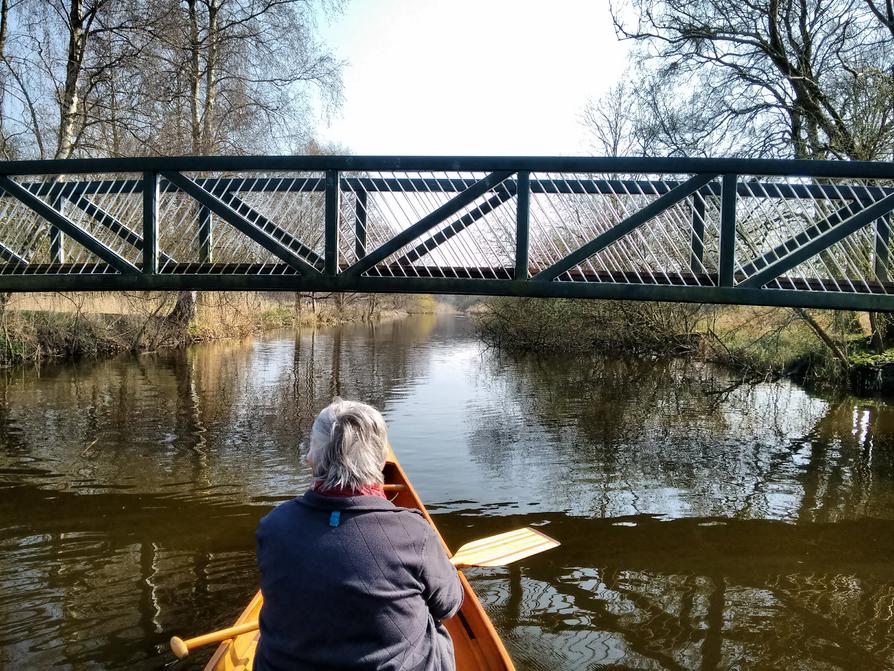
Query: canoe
x=475, y=641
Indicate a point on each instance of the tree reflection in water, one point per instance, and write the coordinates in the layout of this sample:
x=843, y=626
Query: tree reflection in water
x=704, y=524
x=753, y=528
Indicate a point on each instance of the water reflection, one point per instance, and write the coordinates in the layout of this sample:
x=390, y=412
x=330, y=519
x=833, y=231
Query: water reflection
x=704, y=524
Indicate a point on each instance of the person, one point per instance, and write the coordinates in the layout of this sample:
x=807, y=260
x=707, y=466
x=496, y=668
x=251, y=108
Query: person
x=351, y=581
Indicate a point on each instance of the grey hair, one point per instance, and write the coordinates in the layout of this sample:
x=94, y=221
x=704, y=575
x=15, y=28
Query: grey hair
x=348, y=445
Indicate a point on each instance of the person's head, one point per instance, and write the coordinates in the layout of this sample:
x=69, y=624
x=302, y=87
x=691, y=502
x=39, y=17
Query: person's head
x=348, y=445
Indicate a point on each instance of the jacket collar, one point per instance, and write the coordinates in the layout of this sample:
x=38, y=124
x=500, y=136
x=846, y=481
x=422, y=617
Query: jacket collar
x=314, y=500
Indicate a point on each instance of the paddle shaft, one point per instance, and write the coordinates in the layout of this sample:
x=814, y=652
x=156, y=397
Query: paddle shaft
x=182, y=648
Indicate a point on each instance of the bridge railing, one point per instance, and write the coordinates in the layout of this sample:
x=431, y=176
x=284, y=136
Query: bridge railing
x=814, y=234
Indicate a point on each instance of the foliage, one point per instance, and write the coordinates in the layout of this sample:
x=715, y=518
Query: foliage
x=757, y=343
x=535, y=324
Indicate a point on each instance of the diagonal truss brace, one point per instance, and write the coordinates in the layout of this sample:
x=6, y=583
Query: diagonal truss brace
x=456, y=227
x=429, y=221
x=108, y=221
x=66, y=225
x=820, y=243
x=228, y=214
x=268, y=226
x=10, y=256
x=802, y=238
x=625, y=227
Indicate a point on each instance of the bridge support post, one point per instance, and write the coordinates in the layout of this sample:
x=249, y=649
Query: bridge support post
x=727, y=264
x=57, y=242
x=360, y=223
x=882, y=250
x=150, y=222
x=205, y=235
x=697, y=234
x=522, y=221
x=331, y=213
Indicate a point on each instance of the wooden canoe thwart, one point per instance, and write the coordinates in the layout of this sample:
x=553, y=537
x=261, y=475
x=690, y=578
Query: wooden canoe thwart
x=475, y=641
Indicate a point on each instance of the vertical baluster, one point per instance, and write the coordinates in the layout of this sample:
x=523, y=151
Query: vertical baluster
x=522, y=222
x=150, y=222
x=727, y=231
x=332, y=205
x=57, y=242
x=697, y=236
x=882, y=250
x=360, y=219
x=206, y=235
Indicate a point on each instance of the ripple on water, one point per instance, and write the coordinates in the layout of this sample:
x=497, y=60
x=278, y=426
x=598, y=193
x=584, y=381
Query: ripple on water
x=751, y=528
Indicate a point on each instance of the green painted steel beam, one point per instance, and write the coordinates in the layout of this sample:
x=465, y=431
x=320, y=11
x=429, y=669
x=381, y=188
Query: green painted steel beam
x=727, y=262
x=591, y=290
x=150, y=222
x=522, y=226
x=331, y=216
x=556, y=164
x=579, y=185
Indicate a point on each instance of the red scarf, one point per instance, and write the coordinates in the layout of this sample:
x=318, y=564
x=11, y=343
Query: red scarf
x=366, y=490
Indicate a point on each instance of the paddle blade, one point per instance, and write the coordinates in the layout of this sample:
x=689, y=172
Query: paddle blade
x=503, y=548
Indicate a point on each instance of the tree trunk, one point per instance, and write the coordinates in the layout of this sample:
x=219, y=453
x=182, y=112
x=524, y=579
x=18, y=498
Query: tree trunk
x=882, y=327
x=825, y=337
x=200, y=123
x=69, y=106
x=184, y=311
x=4, y=29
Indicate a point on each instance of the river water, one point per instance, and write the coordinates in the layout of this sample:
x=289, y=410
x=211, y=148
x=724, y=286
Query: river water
x=704, y=525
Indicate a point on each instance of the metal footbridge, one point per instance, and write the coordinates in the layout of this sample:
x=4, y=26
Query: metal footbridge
x=762, y=232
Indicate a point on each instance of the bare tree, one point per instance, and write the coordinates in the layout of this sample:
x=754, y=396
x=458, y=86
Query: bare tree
x=764, y=78
x=612, y=120
x=775, y=77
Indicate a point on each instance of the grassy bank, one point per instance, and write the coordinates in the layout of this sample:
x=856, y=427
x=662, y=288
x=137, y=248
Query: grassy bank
x=823, y=348
x=37, y=327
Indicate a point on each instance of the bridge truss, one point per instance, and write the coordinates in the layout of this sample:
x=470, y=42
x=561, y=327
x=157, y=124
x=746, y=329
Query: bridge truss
x=762, y=232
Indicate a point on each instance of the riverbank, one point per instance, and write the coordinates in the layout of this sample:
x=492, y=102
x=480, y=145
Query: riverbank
x=41, y=327
x=828, y=349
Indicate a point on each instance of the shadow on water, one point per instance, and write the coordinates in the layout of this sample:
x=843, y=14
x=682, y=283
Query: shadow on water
x=704, y=525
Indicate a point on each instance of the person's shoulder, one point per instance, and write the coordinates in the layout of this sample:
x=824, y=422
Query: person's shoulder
x=280, y=515
x=412, y=518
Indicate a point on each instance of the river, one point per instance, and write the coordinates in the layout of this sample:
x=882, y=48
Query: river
x=704, y=525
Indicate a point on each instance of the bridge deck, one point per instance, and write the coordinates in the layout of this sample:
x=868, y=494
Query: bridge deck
x=812, y=234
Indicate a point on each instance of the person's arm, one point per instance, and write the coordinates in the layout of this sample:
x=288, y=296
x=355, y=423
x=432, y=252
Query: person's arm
x=443, y=592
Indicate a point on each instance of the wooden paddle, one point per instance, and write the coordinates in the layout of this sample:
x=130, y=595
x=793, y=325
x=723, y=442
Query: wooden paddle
x=503, y=548
x=496, y=550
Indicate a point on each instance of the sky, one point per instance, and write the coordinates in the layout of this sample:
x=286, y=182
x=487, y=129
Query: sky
x=464, y=77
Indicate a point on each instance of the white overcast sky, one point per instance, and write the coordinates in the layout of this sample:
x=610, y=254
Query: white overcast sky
x=464, y=77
